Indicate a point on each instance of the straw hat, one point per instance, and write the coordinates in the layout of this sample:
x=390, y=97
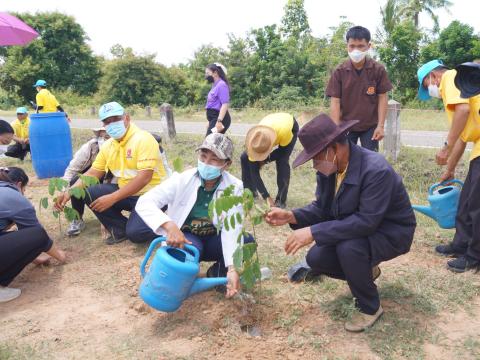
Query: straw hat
x=259, y=142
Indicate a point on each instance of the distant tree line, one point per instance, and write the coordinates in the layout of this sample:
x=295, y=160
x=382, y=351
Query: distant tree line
x=271, y=67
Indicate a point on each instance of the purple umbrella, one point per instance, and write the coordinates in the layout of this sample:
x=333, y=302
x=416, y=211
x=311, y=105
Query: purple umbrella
x=14, y=31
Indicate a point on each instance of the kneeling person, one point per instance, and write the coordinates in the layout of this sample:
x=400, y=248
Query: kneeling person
x=21, y=137
x=132, y=156
x=188, y=195
x=361, y=216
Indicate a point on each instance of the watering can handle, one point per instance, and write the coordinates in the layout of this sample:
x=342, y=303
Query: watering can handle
x=194, y=251
x=430, y=191
x=149, y=252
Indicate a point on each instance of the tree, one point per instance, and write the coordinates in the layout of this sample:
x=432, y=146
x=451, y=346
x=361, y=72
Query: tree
x=390, y=18
x=401, y=57
x=456, y=44
x=412, y=9
x=60, y=55
x=295, y=20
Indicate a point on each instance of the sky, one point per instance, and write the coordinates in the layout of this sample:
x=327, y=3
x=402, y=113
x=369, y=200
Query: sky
x=174, y=29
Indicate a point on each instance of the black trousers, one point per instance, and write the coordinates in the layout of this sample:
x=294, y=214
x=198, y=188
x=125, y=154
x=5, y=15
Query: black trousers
x=251, y=170
x=20, y=248
x=365, y=138
x=349, y=260
x=212, y=116
x=467, y=222
x=112, y=218
x=18, y=150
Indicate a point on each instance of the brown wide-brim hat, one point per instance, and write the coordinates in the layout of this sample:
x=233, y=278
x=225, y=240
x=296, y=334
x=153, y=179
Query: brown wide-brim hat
x=259, y=142
x=318, y=134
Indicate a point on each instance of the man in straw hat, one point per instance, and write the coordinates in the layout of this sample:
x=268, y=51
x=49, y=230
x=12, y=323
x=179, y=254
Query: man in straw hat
x=361, y=216
x=279, y=129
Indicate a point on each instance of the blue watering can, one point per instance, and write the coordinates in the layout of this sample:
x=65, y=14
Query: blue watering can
x=172, y=276
x=443, y=203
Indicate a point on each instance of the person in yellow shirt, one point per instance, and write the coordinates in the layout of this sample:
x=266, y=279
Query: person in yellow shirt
x=46, y=101
x=275, y=130
x=132, y=156
x=20, y=127
x=463, y=115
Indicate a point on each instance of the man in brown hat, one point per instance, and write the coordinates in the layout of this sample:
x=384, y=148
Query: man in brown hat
x=275, y=130
x=361, y=216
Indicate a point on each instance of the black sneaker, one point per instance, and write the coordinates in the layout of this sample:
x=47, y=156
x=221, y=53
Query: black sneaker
x=112, y=240
x=216, y=271
x=448, y=250
x=301, y=272
x=463, y=263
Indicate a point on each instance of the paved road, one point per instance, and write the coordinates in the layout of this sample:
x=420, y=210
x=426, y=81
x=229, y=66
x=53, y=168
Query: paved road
x=411, y=138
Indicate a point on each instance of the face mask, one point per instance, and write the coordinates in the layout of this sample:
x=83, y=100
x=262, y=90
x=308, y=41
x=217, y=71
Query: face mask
x=208, y=172
x=209, y=78
x=116, y=129
x=100, y=141
x=3, y=149
x=326, y=167
x=357, y=55
x=433, y=89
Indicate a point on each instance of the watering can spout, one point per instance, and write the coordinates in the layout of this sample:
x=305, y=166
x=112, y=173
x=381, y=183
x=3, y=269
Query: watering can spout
x=202, y=284
x=426, y=210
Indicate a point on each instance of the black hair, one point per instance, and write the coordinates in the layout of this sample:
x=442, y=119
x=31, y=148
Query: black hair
x=5, y=127
x=13, y=175
x=219, y=71
x=358, y=33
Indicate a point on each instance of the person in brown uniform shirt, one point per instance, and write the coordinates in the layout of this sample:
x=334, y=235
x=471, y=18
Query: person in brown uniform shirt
x=358, y=91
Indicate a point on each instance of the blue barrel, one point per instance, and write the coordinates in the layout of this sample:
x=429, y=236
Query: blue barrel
x=50, y=144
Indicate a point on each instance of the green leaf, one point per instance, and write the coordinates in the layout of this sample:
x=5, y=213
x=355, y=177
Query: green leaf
x=44, y=202
x=228, y=191
x=257, y=219
x=239, y=218
x=248, y=278
x=70, y=213
x=225, y=224
x=88, y=181
x=232, y=221
x=77, y=192
x=178, y=165
x=249, y=250
x=61, y=184
x=211, y=206
x=238, y=259
x=51, y=187
x=218, y=206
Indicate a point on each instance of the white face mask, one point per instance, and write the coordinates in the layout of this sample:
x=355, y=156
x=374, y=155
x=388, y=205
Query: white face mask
x=100, y=141
x=357, y=56
x=433, y=89
x=3, y=149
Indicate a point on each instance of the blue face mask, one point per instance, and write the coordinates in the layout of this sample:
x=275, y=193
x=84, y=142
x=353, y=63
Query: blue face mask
x=208, y=172
x=116, y=129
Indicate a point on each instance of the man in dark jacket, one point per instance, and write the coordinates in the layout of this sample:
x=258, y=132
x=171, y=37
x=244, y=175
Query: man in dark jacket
x=361, y=216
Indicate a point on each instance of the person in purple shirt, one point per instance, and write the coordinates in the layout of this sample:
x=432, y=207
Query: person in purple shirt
x=217, y=99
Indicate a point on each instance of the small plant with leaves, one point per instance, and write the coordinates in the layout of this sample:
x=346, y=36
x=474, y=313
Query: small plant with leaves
x=226, y=208
x=60, y=185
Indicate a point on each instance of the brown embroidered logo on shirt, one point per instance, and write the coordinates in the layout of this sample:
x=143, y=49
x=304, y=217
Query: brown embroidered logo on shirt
x=129, y=154
x=371, y=90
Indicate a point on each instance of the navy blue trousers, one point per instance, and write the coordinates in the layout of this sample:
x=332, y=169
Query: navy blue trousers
x=112, y=218
x=210, y=247
x=349, y=260
x=365, y=138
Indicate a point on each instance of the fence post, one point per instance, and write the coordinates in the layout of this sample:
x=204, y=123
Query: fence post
x=391, y=142
x=148, y=109
x=167, y=121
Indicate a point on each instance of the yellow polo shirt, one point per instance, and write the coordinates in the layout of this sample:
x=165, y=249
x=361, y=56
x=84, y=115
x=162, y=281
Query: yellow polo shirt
x=451, y=97
x=21, y=128
x=282, y=123
x=137, y=151
x=46, y=99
